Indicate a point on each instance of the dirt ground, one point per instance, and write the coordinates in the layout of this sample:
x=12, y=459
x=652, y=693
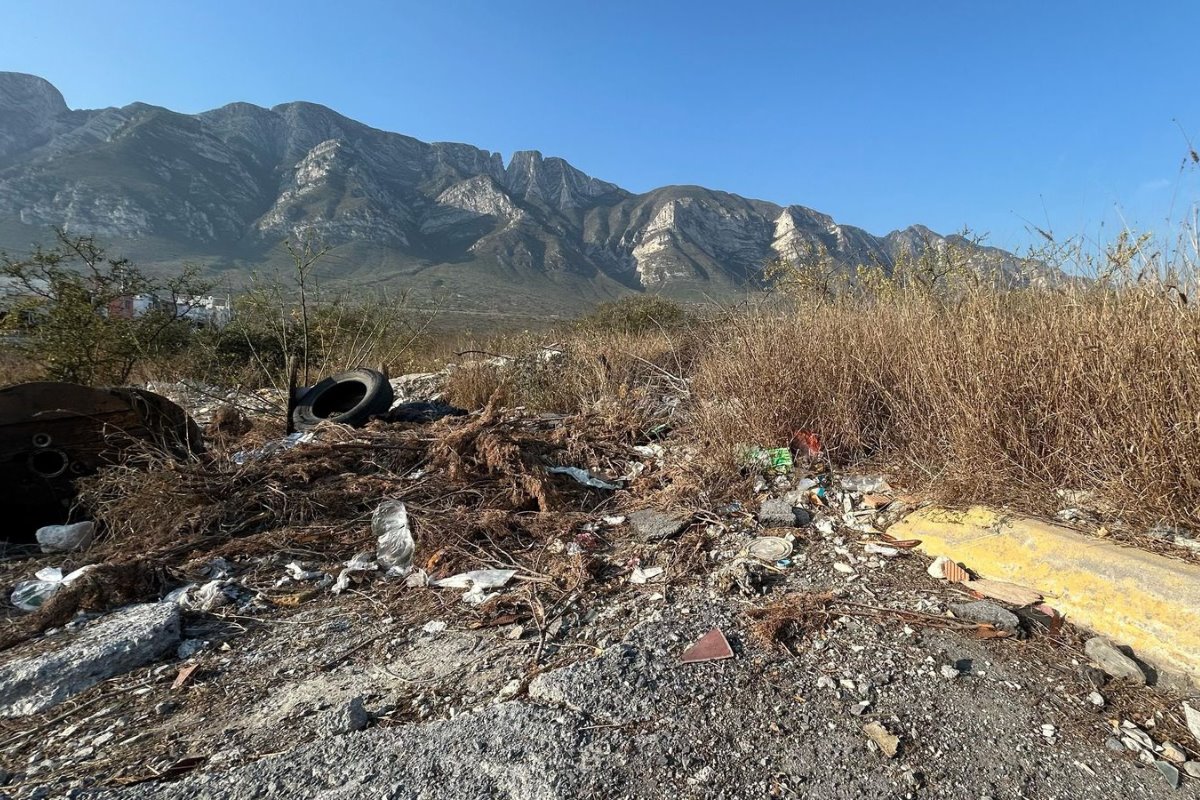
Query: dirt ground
x=569, y=681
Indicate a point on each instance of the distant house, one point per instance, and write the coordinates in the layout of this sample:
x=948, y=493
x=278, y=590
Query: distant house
x=204, y=310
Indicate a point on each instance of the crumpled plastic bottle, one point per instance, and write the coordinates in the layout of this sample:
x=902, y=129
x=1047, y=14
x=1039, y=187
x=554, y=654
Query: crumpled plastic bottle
x=394, y=546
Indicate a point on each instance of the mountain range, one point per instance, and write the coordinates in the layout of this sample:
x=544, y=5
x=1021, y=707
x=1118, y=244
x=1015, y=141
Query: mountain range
x=224, y=188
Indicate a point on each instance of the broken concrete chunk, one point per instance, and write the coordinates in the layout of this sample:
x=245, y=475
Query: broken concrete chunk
x=111, y=645
x=988, y=613
x=1113, y=661
x=651, y=526
x=776, y=514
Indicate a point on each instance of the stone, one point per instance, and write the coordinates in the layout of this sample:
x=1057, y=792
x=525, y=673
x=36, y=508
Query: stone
x=1192, y=717
x=1192, y=768
x=949, y=672
x=1169, y=772
x=652, y=526
x=110, y=645
x=1172, y=752
x=1113, y=661
x=887, y=742
x=776, y=514
x=987, y=613
x=1096, y=699
x=1114, y=744
x=349, y=717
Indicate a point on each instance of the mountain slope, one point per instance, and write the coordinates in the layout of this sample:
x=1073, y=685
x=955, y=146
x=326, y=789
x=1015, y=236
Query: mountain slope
x=225, y=187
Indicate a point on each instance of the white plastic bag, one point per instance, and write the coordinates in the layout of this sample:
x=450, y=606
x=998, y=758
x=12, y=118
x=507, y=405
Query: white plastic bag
x=394, y=546
x=30, y=595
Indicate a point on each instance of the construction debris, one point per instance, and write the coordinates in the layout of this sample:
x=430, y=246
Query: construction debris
x=712, y=646
x=1113, y=661
x=108, y=646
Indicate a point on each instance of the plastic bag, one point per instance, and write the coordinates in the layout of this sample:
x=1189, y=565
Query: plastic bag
x=395, y=545
x=865, y=483
x=30, y=595
x=65, y=538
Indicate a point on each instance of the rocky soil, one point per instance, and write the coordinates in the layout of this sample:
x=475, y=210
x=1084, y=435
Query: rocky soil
x=855, y=669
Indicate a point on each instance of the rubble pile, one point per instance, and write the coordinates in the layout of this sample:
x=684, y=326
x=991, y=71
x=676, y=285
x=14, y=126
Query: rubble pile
x=343, y=580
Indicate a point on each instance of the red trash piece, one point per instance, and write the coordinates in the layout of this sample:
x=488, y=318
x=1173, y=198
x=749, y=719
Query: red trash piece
x=713, y=646
x=806, y=442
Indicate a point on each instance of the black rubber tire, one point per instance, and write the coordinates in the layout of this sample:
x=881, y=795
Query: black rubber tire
x=349, y=398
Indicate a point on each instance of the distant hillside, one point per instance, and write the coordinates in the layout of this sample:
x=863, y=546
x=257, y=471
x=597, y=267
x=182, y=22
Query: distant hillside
x=225, y=187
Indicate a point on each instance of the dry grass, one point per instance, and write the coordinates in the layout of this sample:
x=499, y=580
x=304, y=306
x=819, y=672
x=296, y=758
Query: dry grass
x=996, y=397
x=982, y=394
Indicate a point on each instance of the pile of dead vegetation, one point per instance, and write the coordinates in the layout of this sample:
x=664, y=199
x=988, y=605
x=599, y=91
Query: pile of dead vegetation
x=499, y=489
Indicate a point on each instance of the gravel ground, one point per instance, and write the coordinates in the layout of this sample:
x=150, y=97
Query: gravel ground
x=340, y=698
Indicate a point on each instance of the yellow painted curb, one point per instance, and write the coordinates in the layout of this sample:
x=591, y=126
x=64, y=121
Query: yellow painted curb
x=1132, y=597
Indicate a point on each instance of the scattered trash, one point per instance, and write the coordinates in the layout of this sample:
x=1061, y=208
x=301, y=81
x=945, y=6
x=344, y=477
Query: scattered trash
x=954, y=573
x=880, y=550
x=938, y=568
x=360, y=563
x=421, y=411
x=298, y=573
x=645, y=575
x=806, y=443
x=776, y=461
x=1009, y=593
x=712, y=646
x=769, y=548
x=476, y=583
x=30, y=595
x=184, y=676
x=887, y=742
x=66, y=538
x=866, y=484
x=1113, y=661
x=275, y=446
x=583, y=477
x=394, y=544
x=876, y=502
x=348, y=398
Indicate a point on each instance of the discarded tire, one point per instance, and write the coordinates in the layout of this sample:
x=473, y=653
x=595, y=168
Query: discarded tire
x=349, y=398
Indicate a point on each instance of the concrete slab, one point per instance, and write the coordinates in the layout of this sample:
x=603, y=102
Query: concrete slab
x=1136, y=598
x=65, y=665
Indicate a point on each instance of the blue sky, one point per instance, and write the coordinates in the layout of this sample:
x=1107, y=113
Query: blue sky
x=983, y=114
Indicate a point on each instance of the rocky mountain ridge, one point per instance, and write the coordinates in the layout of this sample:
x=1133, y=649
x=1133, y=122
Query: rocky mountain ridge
x=225, y=187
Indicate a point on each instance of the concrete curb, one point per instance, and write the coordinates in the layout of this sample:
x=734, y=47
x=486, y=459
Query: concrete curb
x=1134, y=598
